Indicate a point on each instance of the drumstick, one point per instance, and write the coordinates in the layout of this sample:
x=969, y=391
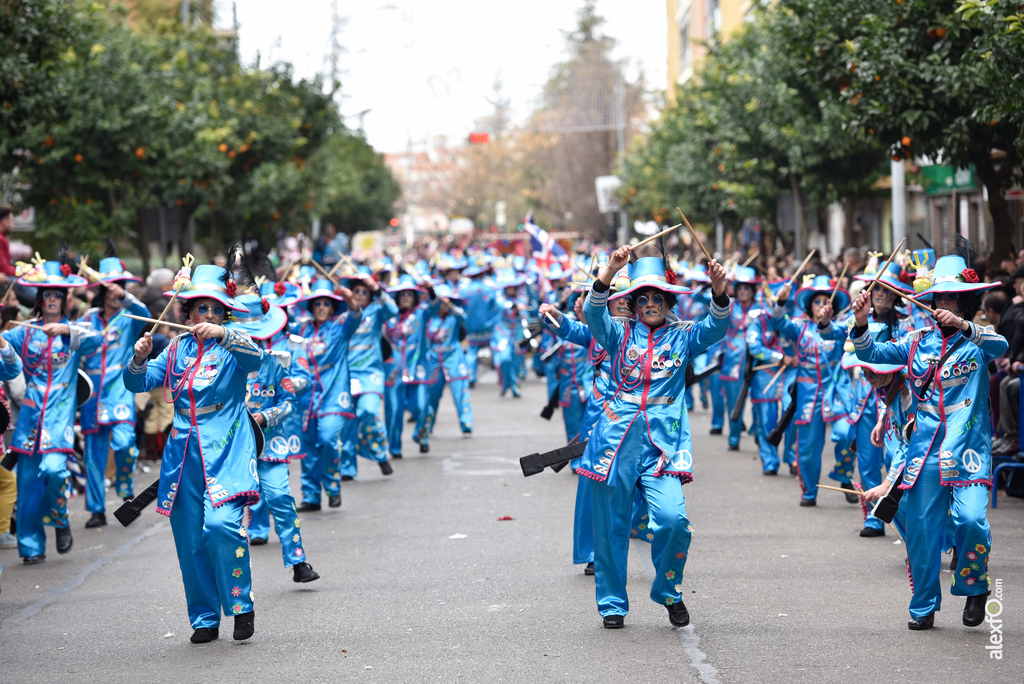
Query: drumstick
x=326, y=274
x=766, y=366
x=887, y=262
x=156, y=322
x=27, y=325
x=844, y=491
x=554, y=321
x=797, y=273
x=753, y=256
x=774, y=378
x=908, y=297
x=656, y=236
x=187, y=261
x=584, y=272
x=694, y=234
x=838, y=282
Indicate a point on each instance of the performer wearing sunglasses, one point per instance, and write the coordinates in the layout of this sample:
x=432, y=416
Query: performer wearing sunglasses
x=45, y=433
x=647, y=443
x=108, y=418
x=735, y=346
x=949, y=455
x=446, y=362
x=819, y=350
x=404, y=371
x=330, y=405
x=209, y=471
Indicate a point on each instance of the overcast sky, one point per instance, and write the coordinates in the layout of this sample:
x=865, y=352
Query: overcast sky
x=425, y=67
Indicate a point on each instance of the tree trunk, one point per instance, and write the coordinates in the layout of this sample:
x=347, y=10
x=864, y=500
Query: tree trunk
x=995, y=179
x=800, y=233
x=849, y=214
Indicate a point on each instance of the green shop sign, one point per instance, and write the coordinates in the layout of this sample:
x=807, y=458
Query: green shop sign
x=943, y=180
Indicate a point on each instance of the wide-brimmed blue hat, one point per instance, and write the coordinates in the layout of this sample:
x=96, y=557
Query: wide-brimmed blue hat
x=556, y=272
x=822, y=284
x=851, y=360
x=406, y=283
x=361, y=271
x=320, y=289
x=51, y=274
x=891, y=277
x=480, y=268
x=289, y=293
x=112, y=270
x=254, y=321
x=650, y=272
x=952, y=275
x=744, y=274
x=445, y=290
x=507, y=277
x=209, y=281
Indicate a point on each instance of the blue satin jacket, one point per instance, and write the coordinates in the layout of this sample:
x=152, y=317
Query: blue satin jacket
x=649, y=370
x=365, y=360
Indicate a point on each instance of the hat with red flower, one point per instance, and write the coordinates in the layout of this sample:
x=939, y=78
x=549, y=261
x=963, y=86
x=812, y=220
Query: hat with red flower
x=955, y=273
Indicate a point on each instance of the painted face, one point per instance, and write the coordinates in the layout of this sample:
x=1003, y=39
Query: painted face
x=620, y=307
x=207, y=310
x=882, y=299
x=945, y=300
x=744, y=292
x=651, y=307
x=406, y=300
x=818, y=303
x=53, y=302
x=112, y=303
x=361, y=294
x=322, y=309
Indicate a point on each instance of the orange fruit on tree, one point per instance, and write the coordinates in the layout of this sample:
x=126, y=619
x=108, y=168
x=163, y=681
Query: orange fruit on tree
x=181, y=202
x=232, y=154
x=140, y=152
x=905, y=141
x=277, y=215
x=49, y=141
x=940, y=32
x=79, y=158
x=223, y=147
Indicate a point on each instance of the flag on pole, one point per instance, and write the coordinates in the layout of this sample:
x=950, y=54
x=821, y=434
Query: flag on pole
x=545, y=250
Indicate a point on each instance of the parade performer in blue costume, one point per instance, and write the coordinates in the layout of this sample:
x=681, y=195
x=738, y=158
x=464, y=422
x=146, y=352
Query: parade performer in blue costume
x=506, y=349
x=885, y=323
x=544, y=361
x=108, y=418
x=330, y=405
x=735, y=346
x=694, y=307
x=577, y=333
x=405, y=333
x=645, y=439
x=819, y=346
x=949, y=457
x=270, y=398
x=45, y=433
x=209, y=471
x=481, y=306
x=788, y=379
x=366, y=436
x=764, y=346
x=446, y=362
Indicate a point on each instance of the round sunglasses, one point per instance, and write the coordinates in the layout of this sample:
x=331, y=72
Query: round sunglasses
x=644, y=300
x=204, y=309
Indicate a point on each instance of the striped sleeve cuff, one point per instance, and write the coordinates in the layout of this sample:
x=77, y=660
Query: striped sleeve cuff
x=863, y=342
x=135, y=368
x=720, y=311
x=599, y=298
x=239, y=343
x=978, y=334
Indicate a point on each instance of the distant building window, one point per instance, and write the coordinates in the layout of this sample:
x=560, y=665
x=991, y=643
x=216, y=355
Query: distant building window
x=685, y=46
x=713, y=21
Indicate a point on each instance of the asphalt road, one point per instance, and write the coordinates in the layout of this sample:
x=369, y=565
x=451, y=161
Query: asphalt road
x=422, y=582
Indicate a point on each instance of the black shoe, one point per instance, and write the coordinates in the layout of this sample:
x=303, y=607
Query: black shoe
x=716, y=431
x=849, y=492
x=872, y=532
x=927, y=622
x=204, y=635
x=257, y=541
x=303, y=572
x=472, y=384
x=395, y=457
x=771, y=472
x=793, y=470
x=34, y=560
x=974, y=609
x=306, y=507
x=424, y=448
x=808, y=502
x=245, y=625
x=734, y=447
x=613, y=621
x=589, y=570
x=97, y=520
x=347, y=478
x=334, y=501
x=386, y=468
x=678, y=615
x=64, y=540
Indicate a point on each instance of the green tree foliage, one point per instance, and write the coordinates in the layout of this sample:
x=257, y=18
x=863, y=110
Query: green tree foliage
x=99, y=122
